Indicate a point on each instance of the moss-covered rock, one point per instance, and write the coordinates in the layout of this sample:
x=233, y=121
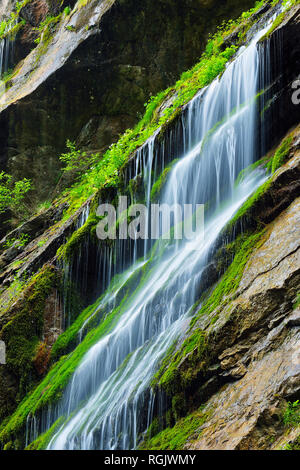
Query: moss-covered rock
x=185, y=430
x=76, y=240
x=22, y=335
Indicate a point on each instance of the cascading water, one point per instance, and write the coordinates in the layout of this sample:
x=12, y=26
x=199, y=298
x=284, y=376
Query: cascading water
x=109, y=402
x=6, y=49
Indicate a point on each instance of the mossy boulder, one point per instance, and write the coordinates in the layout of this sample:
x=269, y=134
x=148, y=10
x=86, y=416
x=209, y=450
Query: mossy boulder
x=23, y=334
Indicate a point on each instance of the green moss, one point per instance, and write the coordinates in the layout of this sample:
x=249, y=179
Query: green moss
x=11, y=26
x=243, y=246
x=46, y=29
x=275, y=25
x=159, y=183
x=291, y=420
x=295, y=445
x=23, y=332
x=281, y=154
x=287, y=4
x=170, y=377
x=52, y=386
x=291, y=415
x=175, y=438
x=279, y=158
x=247, y=171
x=175, y=374
x=70, y=337
x=250, y=204
x=297, y=302
x=82, y=3
x=152, y=107
x=88, y=229
x=14, y=31
x=170, y=123
x=43, y=440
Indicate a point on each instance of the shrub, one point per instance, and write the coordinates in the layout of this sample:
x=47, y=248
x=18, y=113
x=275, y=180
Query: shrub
x=291, y=415
x=12, y=192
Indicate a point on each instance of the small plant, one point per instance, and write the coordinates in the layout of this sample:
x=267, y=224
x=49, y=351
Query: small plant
x=18, y=242
x=67, y=11
x=7, y=75
x=47, y=22
x=46, y=29
x=281, y=155
x=82, y=3
x=44, y=206
x=75, y=160
x=23, y=240
x=42, y=242
x=12, y=193
x=12, y=24
x=297, y=302
x=291, y=415
x=17, y=264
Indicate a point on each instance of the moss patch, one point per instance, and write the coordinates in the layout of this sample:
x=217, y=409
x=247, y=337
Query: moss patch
x=291, y=416
x=43, y=440
x=173, y=378
x=159, y=183
x=185, y=430
x=281, y=154
x=179, y=370
x=88, y=229
x=23, y=332
x=51, y=388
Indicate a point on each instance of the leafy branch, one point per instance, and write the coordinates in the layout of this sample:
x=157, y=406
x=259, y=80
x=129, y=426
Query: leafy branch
x=12, y=192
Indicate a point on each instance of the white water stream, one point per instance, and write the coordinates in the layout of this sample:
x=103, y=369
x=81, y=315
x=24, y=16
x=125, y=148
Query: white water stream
x=107, y=404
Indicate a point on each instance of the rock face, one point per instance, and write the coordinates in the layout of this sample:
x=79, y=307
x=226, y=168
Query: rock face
x=61, y=89
x=29, y=328
x=61, y=92
x=262, y=332
x=280, y=112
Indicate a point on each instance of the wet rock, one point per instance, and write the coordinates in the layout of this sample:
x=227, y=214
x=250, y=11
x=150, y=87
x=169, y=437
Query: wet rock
x=294, y=320
x=35, y=12
x=42, y=248
x=276, y=321
x=36, y=225
x=265, y=262
x=241, y=409
x=281, y=113
x=265, y=366
x=236, y=372
x=208, y=278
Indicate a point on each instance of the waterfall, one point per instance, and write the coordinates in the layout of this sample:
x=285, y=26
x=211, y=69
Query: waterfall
x=4, y=54
x=108, y=403
x=6, y=48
